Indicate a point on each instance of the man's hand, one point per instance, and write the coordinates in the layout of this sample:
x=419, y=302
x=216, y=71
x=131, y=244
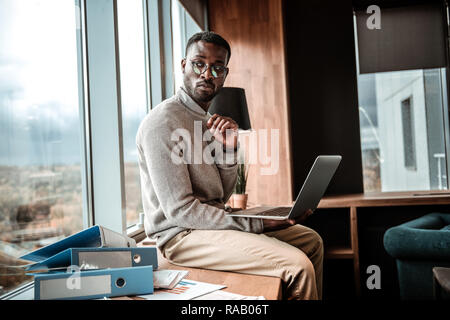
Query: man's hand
x=219, y=126
x=272, y=225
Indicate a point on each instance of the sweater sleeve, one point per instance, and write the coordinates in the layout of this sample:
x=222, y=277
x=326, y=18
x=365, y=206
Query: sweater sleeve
x=228, y=174
x=173, y=188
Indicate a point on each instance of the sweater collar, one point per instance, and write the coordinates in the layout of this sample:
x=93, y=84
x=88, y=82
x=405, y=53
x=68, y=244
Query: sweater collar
x=191, y=104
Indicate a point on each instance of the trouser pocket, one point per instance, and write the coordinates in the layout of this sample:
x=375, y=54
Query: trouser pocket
x=172, y=243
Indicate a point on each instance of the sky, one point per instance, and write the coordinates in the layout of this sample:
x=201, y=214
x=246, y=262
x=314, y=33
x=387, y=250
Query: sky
x=39, y=104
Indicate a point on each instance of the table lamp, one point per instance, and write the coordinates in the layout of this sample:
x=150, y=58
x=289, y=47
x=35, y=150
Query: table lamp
x=231, y=102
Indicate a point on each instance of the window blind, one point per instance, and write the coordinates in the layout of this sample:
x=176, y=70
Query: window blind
x=410, y=37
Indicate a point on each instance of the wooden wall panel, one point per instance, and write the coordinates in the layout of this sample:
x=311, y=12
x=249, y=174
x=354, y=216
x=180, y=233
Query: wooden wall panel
x=254, y=29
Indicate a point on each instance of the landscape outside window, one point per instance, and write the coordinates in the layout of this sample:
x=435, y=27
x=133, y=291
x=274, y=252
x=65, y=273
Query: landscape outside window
x=402, y=130
x=40, y=153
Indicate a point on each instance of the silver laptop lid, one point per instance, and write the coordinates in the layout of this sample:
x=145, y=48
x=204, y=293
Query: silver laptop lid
x=316, y=184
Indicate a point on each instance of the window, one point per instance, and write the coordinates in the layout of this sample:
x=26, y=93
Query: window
x=402, y=130
x=134, y=96
x=40, y=149
x=402, y=93
x=135, y=92
x=68, y=156
x=183, y=27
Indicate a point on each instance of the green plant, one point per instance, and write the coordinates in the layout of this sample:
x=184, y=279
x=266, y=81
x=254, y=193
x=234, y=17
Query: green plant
x=241, y=183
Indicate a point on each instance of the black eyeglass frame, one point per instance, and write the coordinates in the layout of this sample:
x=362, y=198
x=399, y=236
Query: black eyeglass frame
x=214, y=72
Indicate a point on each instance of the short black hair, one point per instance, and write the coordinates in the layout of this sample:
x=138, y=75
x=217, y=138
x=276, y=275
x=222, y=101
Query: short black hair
x=211, y=37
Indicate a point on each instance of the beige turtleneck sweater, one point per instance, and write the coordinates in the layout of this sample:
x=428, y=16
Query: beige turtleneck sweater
x=181, y=192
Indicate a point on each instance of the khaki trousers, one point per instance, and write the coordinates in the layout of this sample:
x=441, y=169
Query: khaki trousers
x=294, y=254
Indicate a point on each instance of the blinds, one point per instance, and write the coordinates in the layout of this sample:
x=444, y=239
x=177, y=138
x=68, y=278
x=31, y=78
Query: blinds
x=410, y=37
x=197, y=10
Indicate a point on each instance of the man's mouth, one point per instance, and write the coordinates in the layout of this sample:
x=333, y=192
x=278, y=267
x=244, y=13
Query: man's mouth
x=205, y=86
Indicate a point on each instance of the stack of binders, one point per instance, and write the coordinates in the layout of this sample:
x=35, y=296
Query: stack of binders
x=94, y=263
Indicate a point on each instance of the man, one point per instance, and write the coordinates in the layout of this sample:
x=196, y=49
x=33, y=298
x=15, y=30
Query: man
x=184, y=200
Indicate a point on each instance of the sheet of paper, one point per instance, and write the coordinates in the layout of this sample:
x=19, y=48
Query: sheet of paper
x=185, y=290
x=179, y=277
x=168, y=278
x=224, y=295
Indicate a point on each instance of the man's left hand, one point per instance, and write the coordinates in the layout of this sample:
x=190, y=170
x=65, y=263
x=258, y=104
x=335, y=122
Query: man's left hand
x=273, y=225
x=224, y=129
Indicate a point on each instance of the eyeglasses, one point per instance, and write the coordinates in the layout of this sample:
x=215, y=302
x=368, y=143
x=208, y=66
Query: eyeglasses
x=216, y=71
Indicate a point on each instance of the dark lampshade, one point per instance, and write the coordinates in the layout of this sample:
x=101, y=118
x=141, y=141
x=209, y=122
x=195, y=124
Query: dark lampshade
x=231, y=102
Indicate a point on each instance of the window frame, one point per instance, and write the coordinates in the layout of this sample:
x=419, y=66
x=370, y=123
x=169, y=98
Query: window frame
x=159, y=77
x=105, y=114
x=83, y=94
x=407, y=115
x=446, y=91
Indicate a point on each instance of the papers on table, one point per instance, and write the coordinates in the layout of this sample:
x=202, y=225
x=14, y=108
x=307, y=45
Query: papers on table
x=168, y=279
x=185, y=290
x=169, y=285
x=224, y=295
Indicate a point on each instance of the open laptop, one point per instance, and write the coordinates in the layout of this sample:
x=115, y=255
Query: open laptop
x=313, y=189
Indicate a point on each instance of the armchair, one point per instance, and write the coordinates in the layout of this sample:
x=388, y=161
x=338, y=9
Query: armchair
x=418, y=246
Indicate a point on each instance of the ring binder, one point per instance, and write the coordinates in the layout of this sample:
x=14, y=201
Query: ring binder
x=94, y=284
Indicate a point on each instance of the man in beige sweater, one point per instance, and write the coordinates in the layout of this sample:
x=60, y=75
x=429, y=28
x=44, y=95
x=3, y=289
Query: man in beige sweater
x=188, y=168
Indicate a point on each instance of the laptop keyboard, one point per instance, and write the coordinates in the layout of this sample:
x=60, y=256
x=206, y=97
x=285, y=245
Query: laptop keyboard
x=277, y=212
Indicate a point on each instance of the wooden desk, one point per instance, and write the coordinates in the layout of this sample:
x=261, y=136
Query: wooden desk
x=249, y=285
x=385, y=199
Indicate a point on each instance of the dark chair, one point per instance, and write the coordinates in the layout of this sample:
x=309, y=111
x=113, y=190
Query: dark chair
x=418, y=246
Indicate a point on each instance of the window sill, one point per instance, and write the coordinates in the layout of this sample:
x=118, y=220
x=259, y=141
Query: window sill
x=136, y=232
x=24, y=292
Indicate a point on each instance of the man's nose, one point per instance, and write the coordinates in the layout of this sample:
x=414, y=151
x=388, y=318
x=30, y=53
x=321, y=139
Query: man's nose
x=207, y=75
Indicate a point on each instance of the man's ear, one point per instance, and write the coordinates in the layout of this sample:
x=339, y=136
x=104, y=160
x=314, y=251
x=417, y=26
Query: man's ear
x=183, y=64
x=226, y=75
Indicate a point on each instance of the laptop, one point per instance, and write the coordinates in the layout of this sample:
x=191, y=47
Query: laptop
x=312, y=191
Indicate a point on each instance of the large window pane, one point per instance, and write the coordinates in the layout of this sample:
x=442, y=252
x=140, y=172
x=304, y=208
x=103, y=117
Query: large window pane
x=40, y=153
x=134, y=97
x=402, y=130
